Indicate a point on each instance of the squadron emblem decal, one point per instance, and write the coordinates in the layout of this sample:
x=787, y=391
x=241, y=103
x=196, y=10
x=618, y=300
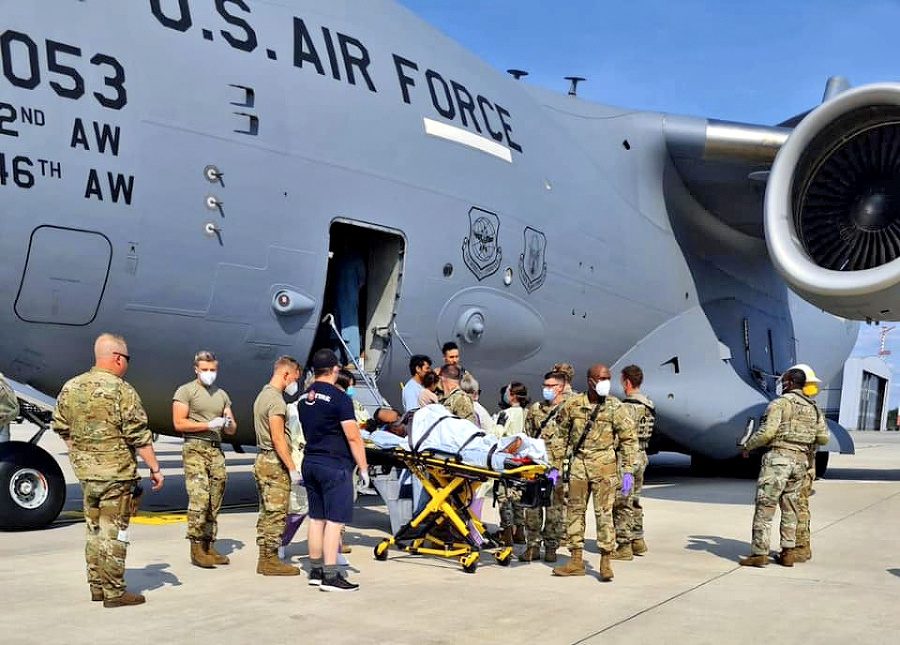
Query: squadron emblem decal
x=533, y=262
x=481, y=249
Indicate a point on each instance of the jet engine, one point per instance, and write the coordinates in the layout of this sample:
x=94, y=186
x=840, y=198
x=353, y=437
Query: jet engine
x=832, y=205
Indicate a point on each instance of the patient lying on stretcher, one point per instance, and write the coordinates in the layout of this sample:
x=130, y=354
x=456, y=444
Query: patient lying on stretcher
x=433, y=428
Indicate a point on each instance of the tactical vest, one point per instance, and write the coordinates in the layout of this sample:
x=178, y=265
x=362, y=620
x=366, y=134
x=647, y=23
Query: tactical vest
x=799, y=420
x=646, y=418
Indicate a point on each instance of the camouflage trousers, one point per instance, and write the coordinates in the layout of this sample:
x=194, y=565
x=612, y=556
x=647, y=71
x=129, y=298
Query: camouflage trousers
x=599, y=481
x=204, y=478
x=780, y=478
x=803, y=516
x=547, y=524
x=107, y=509
x=511, y=513
x=273, y=484
x=628, y=514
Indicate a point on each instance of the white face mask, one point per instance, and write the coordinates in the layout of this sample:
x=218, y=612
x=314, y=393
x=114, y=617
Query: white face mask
x=208, y=378
x=291, y=389
x=602, y=387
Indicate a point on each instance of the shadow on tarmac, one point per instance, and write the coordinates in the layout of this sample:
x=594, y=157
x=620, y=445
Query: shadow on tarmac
x=725, y=548
x=861, y=474
x=894, y=572
x=152, y=576
x=227, y=546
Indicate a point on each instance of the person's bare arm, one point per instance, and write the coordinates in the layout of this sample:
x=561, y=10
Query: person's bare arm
x=357, y=447
x=149, y=456
x=182, y=423
x=231, y=428
x=279, y=441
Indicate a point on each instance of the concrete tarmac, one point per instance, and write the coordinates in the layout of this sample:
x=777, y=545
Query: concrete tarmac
x=687, y=589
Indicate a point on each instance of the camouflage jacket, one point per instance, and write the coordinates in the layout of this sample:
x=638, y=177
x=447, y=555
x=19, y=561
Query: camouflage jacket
x=9, y=404
x=103, y=419
x=460, y=405
x=613, y=431
x=791, y=421
x=551, y=433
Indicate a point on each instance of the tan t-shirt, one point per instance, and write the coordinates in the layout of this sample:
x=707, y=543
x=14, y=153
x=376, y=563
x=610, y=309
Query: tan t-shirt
x=269, y=403
x=204, y=405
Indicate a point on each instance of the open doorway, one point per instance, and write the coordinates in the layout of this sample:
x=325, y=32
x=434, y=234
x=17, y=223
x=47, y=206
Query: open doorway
x=365, y=271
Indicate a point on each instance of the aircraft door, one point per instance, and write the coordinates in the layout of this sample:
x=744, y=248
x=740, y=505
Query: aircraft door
x=365, y=273
x=65, y=276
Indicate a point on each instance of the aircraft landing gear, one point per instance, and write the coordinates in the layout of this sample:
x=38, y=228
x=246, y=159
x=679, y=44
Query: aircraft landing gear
x=32, y=486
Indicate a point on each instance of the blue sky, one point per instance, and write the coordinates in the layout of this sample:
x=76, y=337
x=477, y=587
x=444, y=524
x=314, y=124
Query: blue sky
x=759, y=62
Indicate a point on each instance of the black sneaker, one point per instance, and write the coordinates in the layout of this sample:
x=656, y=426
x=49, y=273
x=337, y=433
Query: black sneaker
x=315, y=577
x=337, y=583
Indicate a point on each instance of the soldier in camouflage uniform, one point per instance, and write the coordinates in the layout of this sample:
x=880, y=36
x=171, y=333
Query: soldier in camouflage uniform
x=202, y=412
x=274, y=468
x=547, y=524
x=628, y=512
x=101, y=419
x=9, y=408
x=455, y=400
x=803, y=549
x=791, y=426
x=597, y=427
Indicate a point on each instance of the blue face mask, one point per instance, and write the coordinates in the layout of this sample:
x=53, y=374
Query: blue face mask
x=548, y=393
x=351, y=391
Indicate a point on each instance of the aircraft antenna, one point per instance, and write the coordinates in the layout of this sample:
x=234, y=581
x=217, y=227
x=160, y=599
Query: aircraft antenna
x=517, y=73
x=574, y=80
x=884, y=332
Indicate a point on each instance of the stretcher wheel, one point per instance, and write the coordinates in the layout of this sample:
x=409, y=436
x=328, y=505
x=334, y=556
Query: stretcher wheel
x=469, y=562
x=381, y=550
x=504, y=557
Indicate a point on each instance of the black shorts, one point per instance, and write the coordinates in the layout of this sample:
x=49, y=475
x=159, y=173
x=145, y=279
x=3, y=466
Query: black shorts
x=329, y=490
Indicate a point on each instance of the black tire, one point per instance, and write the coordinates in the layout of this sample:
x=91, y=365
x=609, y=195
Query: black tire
x=821, y=463
x=472, y=568
x=23, y=462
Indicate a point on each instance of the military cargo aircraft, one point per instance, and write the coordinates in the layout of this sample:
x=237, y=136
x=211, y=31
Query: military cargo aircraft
x=185, y=172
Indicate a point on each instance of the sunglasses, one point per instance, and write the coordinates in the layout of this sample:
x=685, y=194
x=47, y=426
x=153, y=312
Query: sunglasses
x=125, y=356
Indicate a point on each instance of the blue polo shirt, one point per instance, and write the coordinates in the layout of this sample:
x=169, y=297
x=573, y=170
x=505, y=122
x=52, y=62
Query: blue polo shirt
x=322, y=409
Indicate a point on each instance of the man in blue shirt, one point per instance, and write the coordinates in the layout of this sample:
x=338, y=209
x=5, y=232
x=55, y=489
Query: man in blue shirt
x=333, y=445
x=419, y=366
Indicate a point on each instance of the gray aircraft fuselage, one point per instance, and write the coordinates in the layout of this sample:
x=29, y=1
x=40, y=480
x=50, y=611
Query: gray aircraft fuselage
x=562, y=226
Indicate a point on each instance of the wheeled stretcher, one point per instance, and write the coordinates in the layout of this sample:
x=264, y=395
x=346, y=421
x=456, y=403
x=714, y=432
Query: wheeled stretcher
x=447, y=526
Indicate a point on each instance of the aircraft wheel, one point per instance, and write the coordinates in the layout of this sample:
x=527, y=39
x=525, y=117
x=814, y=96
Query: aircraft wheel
x=821, y=463
x=381, y=550
x=32, y=486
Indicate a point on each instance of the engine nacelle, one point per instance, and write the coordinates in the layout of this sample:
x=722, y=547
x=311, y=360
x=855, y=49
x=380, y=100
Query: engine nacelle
x=832, y=206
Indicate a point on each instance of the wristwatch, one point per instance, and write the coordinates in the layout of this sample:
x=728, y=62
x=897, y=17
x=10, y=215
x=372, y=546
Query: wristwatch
x=154, y=472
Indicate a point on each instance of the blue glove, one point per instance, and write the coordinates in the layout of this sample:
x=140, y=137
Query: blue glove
x=627, y=483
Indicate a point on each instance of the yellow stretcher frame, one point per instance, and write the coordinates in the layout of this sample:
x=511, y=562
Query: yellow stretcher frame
x=451, y=485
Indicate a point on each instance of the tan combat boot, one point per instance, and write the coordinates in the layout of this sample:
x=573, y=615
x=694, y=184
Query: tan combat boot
x=531, y=553
x=786, y=557
x=199, y=556
x=270, y=565
x=623, y=552
x=210, y=550
x=549, y=554
x=574, y=567
x=125, y=600
x=96, y=594
x=506, y=536
x=606, y=572
x=638, y=547
x=519, y=535
x=754, y=560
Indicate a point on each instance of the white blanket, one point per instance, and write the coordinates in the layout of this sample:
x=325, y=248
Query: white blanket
x=457, y=436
